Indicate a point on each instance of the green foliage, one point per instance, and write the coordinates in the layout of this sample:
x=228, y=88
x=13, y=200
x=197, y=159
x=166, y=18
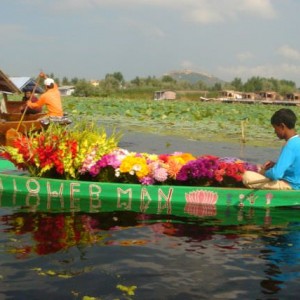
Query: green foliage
x=114, y=85
x=85, y=89
x=237, y=84
x=65, y=81
x=217, y=87
x=258, y=84
x=196, y=120
x=117, y=76
x=110, y=84
x=167, y=78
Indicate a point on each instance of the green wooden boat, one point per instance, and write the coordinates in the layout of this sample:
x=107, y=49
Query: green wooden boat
x=17, y=189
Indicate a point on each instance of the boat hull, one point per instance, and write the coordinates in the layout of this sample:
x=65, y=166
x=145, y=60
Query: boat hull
x=24, y=127
x=19, y=189
x=11, y=117
x=16, y=117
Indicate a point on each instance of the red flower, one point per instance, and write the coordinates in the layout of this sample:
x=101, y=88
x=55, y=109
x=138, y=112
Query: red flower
x=164, y=157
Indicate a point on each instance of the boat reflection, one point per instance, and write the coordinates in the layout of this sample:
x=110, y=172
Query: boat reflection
x=230, y=242
x=53, y=231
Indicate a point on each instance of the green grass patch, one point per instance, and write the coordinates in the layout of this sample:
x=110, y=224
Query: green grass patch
x=191, y=119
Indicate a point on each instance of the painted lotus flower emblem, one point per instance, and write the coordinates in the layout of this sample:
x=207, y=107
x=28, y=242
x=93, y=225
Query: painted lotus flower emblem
x=201, y=203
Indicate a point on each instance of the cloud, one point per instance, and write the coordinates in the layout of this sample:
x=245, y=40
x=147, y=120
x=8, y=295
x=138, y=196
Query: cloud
x=263, y=8
x=149, y=30
x=204, y=16
x=289, y=52
x=213, y=11
x=280, y=71
x=243, y=56
x=199, y=11
x=186, y=64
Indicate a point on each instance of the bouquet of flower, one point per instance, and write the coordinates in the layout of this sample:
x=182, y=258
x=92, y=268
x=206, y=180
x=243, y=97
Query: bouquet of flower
x=58, y=151
x=214, y=171
x=88, y=154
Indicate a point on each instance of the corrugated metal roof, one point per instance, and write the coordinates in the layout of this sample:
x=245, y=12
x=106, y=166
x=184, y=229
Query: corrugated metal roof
x=26, y=83
x=20, y=82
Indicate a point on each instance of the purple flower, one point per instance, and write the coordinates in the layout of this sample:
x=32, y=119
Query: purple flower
x=200, y=168
x=250, y=167
x=147, y=180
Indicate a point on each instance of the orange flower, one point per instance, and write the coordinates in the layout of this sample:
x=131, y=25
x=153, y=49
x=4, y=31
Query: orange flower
x=173, y=167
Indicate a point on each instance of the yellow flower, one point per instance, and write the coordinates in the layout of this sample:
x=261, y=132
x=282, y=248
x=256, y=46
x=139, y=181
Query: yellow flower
x=186, y=157
x=134, y=165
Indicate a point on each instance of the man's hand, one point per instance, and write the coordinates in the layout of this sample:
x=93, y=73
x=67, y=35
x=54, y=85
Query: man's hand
x=269, y=164
x=43, y=75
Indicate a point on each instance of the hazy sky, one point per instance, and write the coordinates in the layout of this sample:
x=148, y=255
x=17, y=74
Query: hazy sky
x=90, y=38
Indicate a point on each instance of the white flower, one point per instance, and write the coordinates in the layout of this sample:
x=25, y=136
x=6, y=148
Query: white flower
x=136, y=168
x=117, y=172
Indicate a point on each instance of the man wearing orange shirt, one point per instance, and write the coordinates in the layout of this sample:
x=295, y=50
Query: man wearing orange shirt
x=51, y=98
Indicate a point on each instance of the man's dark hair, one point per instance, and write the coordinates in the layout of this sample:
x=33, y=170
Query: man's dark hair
x=50, y=86
x=284, y=116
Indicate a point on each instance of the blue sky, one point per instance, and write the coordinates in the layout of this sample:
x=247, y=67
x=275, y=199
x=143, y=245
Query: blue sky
x=90, y=38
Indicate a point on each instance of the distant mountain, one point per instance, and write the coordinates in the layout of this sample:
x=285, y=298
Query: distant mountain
x=193, y=77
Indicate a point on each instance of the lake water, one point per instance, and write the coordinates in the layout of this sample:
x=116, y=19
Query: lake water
x=230, y=254
x=202, y=254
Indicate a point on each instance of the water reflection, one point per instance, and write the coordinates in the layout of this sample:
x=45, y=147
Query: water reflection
x=253, y=253
x=52, y=232
x=282, y=254
x=49, y=232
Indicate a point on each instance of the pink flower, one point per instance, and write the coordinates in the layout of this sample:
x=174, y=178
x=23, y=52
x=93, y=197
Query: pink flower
x=160, y=174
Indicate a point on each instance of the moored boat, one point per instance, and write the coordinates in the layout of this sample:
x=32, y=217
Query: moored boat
x=10, y=111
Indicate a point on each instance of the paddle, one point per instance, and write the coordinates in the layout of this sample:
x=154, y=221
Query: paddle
x=12, y=133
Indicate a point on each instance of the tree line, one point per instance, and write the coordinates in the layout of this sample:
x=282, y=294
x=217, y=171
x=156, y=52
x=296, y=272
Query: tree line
x=115, y=83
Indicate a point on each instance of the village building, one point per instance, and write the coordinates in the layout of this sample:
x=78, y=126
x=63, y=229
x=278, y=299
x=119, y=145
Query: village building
x=269, y=95
x=249, y=96
x=95, y=82
x=230, y=95
x=164, y=95
x=66, y=90
x=293, y=96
